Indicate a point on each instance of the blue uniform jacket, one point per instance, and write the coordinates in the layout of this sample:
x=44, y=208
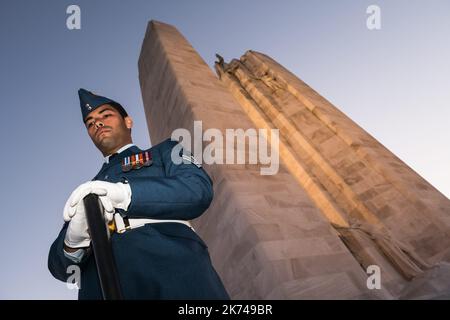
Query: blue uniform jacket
x=156, y=261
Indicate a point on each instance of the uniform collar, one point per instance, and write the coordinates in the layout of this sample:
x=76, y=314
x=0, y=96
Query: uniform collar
x=125, y=147
x=118, y=158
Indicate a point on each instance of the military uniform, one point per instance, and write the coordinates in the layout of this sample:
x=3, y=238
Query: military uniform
x=157, y=260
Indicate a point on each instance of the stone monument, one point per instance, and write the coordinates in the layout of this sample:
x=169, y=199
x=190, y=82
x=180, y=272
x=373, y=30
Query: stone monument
x=341, y=205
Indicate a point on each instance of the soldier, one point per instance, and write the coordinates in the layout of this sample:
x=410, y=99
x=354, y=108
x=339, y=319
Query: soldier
x=147, y=201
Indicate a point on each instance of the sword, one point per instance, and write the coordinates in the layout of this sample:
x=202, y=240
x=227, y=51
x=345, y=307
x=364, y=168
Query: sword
x=101, y=246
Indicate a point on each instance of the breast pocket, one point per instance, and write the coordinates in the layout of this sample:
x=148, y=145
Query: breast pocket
x=151, y=171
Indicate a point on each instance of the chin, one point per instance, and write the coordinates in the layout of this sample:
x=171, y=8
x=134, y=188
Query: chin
x=106, y=144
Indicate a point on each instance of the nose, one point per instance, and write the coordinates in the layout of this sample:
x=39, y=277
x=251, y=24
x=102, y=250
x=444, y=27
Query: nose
x=98, y=124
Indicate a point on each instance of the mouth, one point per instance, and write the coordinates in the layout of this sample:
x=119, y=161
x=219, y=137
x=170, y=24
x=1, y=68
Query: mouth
x=99, y=133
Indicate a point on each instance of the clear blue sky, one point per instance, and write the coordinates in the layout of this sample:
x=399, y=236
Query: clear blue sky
x=394, y=82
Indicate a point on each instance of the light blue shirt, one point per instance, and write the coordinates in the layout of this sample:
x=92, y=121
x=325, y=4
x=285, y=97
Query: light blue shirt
x=125, y=147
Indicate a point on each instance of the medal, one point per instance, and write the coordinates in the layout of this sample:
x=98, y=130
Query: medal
x=137, y=161
x=147, y=159
x=126, y=164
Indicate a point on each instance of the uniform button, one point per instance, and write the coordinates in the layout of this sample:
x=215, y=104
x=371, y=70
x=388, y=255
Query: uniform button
x=106, y=177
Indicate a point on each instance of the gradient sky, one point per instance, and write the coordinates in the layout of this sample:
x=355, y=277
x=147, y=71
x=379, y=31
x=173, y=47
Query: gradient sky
x=393, y=82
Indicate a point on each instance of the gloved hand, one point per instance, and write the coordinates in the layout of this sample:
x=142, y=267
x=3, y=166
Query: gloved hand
x=112, y=195
x=77, y=235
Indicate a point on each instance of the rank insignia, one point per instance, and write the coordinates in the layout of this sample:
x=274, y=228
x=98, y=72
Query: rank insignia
x=137, y=161
x=191, y=159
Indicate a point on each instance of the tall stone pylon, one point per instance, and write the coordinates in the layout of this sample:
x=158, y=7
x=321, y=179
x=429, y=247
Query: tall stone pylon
x=343, y=218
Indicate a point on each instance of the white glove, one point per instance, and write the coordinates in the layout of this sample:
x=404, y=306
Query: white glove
x=77, y=235
x=112, y=195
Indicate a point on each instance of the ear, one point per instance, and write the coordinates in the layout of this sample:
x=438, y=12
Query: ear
x=129, y=122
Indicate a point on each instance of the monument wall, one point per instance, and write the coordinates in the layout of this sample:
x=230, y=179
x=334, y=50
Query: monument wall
x=339, y=203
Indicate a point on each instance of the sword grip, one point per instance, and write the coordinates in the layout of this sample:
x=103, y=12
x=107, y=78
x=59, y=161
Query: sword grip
x=101, y=246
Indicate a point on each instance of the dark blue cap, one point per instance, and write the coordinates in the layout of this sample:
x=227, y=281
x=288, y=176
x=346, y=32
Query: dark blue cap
x=90, y=101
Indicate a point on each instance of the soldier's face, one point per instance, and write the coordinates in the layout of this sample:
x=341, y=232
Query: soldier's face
x=108, y=129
